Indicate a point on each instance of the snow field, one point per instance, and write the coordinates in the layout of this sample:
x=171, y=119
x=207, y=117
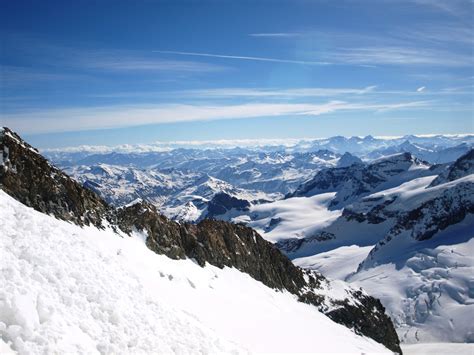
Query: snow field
x=300, y=216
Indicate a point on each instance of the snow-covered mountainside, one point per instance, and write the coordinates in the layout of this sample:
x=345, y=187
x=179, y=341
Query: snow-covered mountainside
x=315, y=211
x=220, y=244
x=267, y=171
x=408, y=239
x=357, y=180
x=67, y=289
x=180, y=195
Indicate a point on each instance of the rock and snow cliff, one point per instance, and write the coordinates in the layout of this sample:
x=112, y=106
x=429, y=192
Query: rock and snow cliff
x=219, y=246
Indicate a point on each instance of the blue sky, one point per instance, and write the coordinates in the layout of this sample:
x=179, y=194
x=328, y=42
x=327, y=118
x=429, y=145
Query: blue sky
x=115, y=72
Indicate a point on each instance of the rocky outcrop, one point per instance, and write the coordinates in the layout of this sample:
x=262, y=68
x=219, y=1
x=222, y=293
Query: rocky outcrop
x=371, y=324
x=28, y=177
x=32, y=180
x=293, y=244
x=461, y=167
x=435, y=215
x=222, y=202
x=358, y=180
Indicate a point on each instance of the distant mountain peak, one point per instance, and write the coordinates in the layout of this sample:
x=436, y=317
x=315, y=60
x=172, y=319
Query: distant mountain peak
x=347, y=159
x=463, y=166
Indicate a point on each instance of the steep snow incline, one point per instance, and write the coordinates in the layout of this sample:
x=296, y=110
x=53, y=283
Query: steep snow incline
x=72, y=290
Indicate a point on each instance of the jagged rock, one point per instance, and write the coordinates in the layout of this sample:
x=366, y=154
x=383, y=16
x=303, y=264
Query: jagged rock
x=222, y=202
x=32, y=180
x=437, y=214
x=461, y=167
x=293, y=244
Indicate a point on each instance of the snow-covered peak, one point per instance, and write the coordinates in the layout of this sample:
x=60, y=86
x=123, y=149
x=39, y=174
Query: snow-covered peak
x=461, y=167
x=347, y=159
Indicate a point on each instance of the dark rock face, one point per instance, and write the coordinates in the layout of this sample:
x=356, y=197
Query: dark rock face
x=376, y=215
x=437, y=214
x=324, y=181
x=32, y=180
x=371, y=325
x=462, y=167
x=28, y=177
x=294, y=244
x=222, y=202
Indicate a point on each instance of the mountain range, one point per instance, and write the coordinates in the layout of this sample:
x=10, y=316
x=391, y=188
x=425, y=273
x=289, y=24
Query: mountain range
x=99, y=252
x=385, y=217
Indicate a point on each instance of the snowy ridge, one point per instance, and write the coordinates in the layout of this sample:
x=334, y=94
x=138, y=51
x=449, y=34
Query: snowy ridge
x=60, y=292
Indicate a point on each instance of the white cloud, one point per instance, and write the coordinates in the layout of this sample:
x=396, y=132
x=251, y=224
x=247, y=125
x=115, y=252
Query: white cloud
x=456, y=8
x=282, y=93
x=395, y=55
x=162, y=146
x=137, y=64
x=251, y=58
x=62, y=120
x=278, y=34
x=421, y=89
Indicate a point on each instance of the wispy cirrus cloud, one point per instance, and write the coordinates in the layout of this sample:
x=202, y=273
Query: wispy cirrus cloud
x=56, y=57
x=305, y=93
x=437, y=34
x=15, y=75
x=278, y=34
x=394, y=55
x=140, y=64
x=457, y=8
x=242, y=57
x=275, y=93
x=444, y=44
x=77, y=119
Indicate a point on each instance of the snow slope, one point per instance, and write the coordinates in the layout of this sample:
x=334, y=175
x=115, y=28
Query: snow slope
x=428, y=287
x=290, y=218
x=335, y=264
x=438, y=349
x=66, y=289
